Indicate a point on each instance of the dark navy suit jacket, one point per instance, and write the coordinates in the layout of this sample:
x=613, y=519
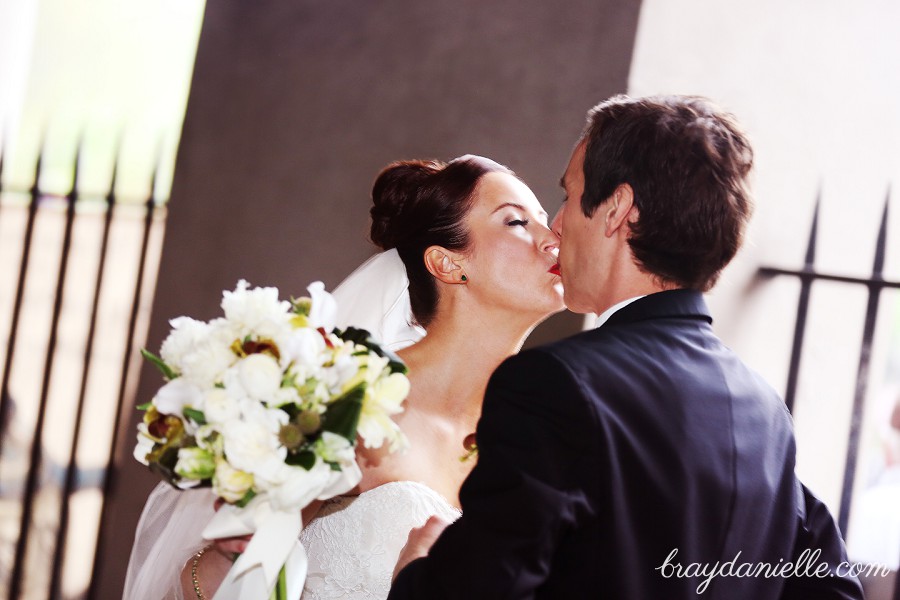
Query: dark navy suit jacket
x=623, y=462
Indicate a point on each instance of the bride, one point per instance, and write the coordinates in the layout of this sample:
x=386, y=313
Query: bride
x=468, y=257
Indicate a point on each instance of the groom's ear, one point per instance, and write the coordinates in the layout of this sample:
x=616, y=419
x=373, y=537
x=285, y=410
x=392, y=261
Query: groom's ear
x=443, y=264
x=619, y=210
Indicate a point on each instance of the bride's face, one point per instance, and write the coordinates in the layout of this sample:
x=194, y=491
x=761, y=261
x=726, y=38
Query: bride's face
x=512, y=253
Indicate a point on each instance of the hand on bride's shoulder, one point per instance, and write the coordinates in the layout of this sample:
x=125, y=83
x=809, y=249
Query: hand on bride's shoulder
x=420, y=541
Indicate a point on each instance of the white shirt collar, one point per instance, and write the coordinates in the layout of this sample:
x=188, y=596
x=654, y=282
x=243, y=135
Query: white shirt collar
x=606, y=314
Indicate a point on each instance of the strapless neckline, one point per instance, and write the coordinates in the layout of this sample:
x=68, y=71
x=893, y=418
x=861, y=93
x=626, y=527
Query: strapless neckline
x=391, y=485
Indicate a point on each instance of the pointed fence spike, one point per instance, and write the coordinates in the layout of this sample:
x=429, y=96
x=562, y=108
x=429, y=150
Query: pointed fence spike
x=881, y=244
x=35, y=187
x=813, y=232
x=73, y=193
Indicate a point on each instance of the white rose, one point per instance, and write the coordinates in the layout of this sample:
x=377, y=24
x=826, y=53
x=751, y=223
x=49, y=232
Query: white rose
x=260, y=376
x=270, y=418
x=248, y=443
x=219, y=406
x=302, y=346
x=229, y=483
x=207, y=363
x=185, y=335
x=173, y=396
x=231, y=381
x=256, y=310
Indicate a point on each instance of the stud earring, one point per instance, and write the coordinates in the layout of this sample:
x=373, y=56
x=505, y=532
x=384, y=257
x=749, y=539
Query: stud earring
x=464, y=278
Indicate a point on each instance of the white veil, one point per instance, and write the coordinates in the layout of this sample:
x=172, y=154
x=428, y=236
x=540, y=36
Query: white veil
x=374, y=297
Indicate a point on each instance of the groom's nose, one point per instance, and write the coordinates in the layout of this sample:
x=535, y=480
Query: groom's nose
x=556, y=224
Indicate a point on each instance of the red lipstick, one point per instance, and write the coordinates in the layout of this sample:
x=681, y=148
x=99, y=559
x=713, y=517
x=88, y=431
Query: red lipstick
x=555, y=269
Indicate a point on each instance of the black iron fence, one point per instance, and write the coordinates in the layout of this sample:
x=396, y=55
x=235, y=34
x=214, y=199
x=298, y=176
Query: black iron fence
x=107, y=291
x=875, y=284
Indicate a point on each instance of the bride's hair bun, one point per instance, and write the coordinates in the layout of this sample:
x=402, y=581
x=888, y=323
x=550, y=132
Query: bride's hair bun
x=396, y=191
x=421, y=203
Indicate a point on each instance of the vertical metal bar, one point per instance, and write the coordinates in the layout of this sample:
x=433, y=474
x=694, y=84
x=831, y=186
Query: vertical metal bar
x=72, y=468
x=110, y=475
x=790, y=393
x=862, y=374
x=5, y=396
x=34, y=467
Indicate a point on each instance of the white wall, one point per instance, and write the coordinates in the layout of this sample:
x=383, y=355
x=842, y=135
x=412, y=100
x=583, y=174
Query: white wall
x=817, y=85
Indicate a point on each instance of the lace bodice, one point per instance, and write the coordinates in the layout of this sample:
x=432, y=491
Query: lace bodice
x=354, y=541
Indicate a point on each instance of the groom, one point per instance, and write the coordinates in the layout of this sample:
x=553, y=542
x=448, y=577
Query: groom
x=641, y=460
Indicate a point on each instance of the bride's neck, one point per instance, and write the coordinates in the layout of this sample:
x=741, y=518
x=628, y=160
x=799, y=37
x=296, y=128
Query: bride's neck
x=451, y=366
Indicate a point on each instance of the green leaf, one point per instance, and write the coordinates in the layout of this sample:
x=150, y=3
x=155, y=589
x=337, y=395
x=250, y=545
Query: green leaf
x=195, y=415
x=145, y=406
x=364, y=338
x=246, y=499
x=305, y=459
x=291, y=409
x=342, y=416
x=160, y=364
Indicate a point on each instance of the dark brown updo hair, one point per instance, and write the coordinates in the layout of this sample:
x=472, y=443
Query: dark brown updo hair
x=422, y=203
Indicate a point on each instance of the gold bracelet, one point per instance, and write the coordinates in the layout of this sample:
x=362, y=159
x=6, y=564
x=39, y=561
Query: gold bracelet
x=194, y=579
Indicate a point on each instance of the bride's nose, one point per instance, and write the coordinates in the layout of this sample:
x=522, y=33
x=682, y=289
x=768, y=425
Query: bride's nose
x=550, y=242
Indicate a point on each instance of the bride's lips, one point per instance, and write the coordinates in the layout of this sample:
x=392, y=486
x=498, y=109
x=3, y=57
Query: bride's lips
x=555, y=269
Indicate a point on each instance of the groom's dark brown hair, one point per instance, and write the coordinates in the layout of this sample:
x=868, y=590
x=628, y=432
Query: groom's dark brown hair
x=687, y=162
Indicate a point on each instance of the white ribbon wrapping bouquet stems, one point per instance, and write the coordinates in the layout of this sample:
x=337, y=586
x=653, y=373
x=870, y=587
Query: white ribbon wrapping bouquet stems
x=275, y=541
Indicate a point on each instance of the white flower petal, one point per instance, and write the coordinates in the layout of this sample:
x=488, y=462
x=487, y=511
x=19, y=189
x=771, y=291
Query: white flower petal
x=173, y=396
x=323, y=312
x=260, y=376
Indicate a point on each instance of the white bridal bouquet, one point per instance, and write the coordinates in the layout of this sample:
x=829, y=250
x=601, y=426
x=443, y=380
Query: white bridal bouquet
x=265, y=405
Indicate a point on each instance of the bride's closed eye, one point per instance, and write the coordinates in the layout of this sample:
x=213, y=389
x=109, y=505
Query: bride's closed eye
x=517, y=222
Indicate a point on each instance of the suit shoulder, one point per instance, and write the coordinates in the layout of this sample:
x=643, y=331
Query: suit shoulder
x=540, y=377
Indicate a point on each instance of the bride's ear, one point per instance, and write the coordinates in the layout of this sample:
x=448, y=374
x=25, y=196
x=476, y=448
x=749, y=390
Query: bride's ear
x=444, y=265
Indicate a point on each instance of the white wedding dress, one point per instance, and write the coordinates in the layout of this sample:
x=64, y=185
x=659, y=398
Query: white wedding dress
x=353, y=543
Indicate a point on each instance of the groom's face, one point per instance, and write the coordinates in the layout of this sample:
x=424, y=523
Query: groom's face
x=581, y=246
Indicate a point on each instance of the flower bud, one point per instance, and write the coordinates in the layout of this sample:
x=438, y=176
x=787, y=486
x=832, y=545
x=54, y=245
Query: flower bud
x=290, y=436
x=195, y=463
x=309, y=421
